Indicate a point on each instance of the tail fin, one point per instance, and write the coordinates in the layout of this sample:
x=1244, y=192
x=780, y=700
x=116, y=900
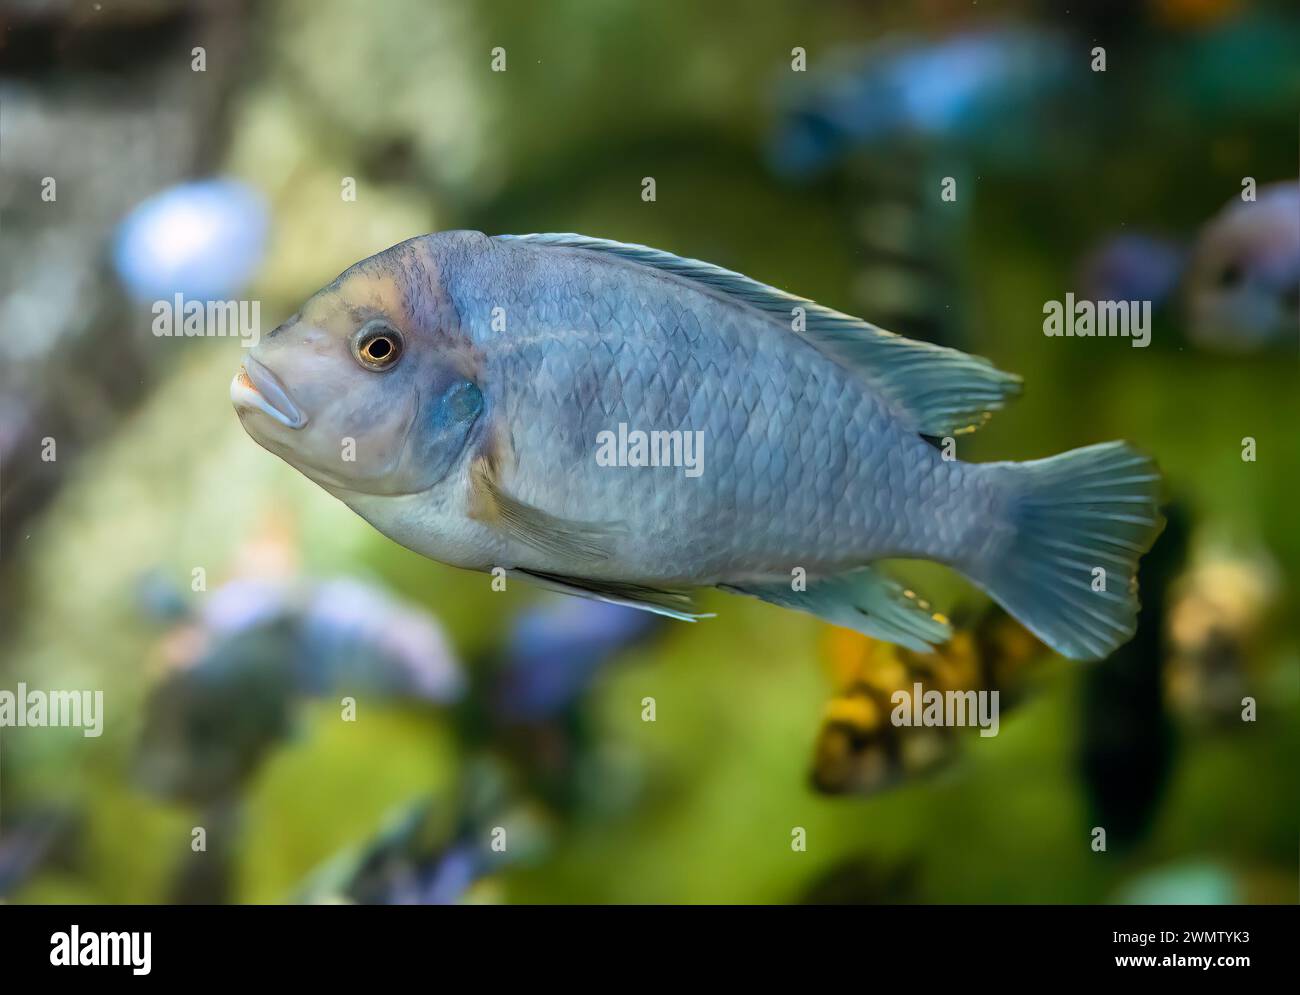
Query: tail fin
x=1078, y=523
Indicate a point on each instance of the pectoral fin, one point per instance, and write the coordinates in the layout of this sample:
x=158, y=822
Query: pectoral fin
x=863, y=599
x=555, y=536
x=671, y=603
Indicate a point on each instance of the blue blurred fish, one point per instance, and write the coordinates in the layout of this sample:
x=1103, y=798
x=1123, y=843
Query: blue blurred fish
x=1009, y=95
x=489, y=390
x=557, y=648
x=258, y=647
x=955, y=90
x=434, y=852
x=533, y=693
x=416, y=858
x=1133, y=267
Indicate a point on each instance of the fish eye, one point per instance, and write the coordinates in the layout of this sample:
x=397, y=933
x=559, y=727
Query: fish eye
x=1230, y=275
x=377, y=346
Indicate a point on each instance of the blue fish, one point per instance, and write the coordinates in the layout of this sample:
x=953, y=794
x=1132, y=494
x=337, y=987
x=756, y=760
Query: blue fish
x=619, y=422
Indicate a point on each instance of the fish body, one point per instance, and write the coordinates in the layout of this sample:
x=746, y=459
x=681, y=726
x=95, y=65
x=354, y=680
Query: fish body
x=792, y=437
x=493, y=389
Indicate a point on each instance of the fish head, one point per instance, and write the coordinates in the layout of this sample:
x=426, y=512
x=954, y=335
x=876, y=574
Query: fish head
x=1243, y=283
x=369, y=388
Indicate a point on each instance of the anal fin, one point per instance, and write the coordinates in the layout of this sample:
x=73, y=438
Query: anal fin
x=863, y=599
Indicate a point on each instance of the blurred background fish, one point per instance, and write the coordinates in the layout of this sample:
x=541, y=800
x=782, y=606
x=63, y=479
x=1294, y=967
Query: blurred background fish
x=1219, y=614
x=235, y=672
x=535, y=693
x=1242, y=288
x=861, y=749
x=431, y=854
x=1234, y=290
x=949, y=93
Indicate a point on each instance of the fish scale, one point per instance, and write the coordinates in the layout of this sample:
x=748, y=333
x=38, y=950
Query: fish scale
x=749, y=386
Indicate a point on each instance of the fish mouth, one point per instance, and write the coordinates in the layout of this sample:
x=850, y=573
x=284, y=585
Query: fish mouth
x=257, y=388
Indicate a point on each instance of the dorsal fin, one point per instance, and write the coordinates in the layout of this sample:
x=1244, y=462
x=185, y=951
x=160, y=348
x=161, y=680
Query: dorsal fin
x=940, y=391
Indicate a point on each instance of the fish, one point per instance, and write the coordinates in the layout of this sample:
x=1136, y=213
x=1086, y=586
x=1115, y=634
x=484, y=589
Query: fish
x=1232, y=289
x=861, y=750
x=1242, y=288
x=209, y=727
x=556, y=650
x=417, y=858
x=238, y=668
x=535, y=690
x=1217, y=619
x=436, y=850
x=463, y=393
x=951, y=92
x=1133, y=267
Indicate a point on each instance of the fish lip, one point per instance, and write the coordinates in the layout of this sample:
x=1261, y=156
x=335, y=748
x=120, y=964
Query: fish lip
x=256, y=387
